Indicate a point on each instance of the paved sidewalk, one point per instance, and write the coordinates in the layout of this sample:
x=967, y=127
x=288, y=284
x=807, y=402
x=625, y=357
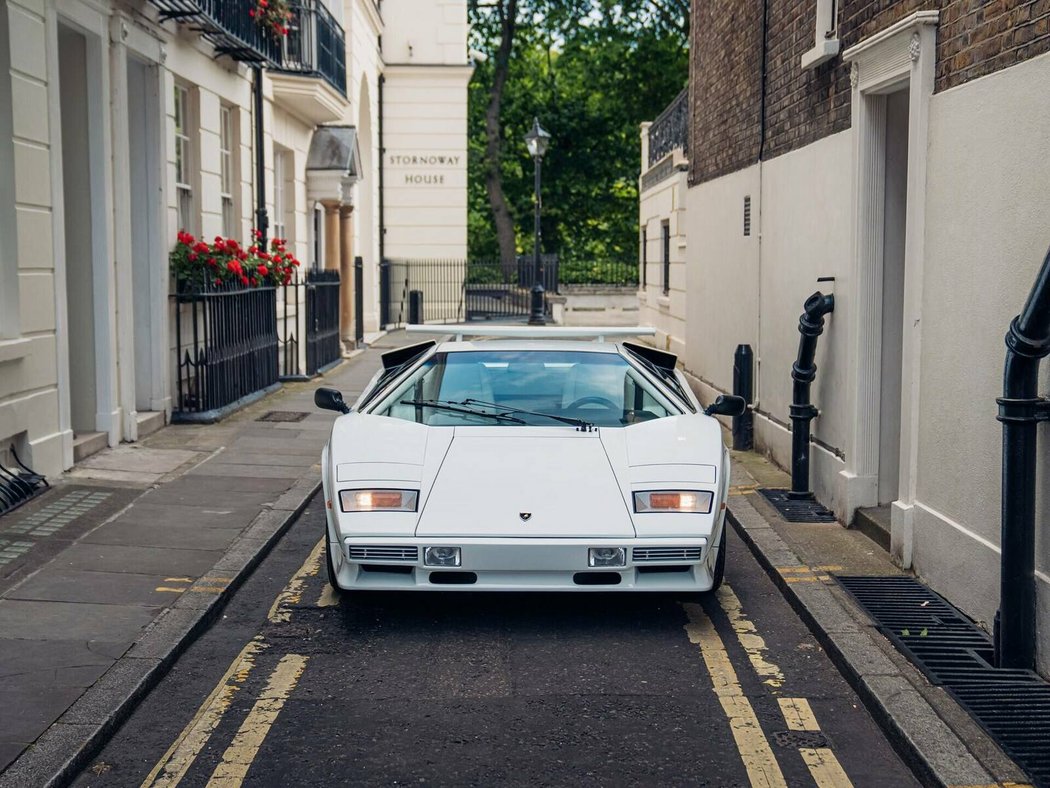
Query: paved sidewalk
x=928, y=728
x=105, y=579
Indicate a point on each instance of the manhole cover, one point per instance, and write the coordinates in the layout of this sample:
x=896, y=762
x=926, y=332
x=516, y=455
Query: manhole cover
x=283, y=415
x=799, y=739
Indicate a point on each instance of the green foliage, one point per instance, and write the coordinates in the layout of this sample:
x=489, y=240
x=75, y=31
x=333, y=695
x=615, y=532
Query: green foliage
x=592, y=71
x=606, y=272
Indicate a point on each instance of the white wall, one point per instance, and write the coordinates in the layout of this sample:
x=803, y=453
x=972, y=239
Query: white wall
x=987, y=206
x=432, y=31
x=664, y=201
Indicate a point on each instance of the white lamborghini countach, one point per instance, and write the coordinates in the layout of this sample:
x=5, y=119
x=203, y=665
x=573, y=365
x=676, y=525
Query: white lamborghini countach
x=526, y=462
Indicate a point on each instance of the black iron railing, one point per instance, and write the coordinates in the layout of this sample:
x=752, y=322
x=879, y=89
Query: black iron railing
x=18, y=485
x=455, y=290
x=228, y=25
x=308, y=325
x=315, y=44
x=226, y=347
x=671, y=129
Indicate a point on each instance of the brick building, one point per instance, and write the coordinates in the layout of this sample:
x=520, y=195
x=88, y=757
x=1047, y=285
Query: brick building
x=900, y=148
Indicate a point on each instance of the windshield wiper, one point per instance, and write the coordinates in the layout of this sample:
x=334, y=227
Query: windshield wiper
x=458, y=407
x=504, y=410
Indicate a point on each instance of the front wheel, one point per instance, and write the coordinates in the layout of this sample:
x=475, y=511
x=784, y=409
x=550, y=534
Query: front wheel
x=329, y=566
x=720, y=562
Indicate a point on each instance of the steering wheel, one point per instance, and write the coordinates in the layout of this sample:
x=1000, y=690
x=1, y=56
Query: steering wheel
x=608, y=404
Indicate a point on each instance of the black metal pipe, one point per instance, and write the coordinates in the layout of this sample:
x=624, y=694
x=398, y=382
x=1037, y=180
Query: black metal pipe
x=1020, y=411
x=810, y=326
x=262, y=220
x=744, y=386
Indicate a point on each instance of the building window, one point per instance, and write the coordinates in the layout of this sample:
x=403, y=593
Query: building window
x=645, y=256
x=825, y=34
x=279, y=169
x=184, y=162
x=665, y=238
x=228, y=171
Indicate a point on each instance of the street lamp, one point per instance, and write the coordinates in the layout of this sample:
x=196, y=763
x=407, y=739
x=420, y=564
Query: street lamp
x=537, y=140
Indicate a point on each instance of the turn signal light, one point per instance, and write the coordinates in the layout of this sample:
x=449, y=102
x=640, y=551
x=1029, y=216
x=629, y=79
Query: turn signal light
x=689, y=501
x=378, y=500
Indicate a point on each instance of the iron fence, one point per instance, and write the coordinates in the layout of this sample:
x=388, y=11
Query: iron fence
x=226, y=347
x=670, y=130
x=308, y=334
x=315, y=44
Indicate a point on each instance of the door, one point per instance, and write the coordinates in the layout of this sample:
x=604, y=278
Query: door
x=894, y=232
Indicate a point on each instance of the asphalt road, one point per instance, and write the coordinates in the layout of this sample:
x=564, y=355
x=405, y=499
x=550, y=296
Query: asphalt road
x=293, y=687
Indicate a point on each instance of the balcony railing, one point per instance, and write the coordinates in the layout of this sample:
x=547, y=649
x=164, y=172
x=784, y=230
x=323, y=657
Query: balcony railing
x=228, y=25
x=315, y=45
x=671, y=129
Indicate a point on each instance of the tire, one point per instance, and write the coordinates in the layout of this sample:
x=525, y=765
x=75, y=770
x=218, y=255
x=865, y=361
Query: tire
x=720, y=562
x=329, y=566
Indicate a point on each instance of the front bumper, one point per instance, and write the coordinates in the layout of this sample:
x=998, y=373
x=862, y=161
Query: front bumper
x=508, y=564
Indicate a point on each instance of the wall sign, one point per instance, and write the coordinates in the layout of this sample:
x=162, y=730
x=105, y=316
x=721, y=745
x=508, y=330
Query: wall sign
x=423, y=169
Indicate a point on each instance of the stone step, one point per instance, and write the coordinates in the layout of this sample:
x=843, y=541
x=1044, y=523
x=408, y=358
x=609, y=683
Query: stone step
x=149, y=421
x=87, y=443
x=874, y=523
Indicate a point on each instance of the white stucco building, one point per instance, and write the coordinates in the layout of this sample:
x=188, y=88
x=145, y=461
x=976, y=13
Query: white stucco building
x=121, y=124
x=907, y=163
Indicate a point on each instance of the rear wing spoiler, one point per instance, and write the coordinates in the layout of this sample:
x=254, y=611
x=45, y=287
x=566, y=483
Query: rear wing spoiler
x=534, y=332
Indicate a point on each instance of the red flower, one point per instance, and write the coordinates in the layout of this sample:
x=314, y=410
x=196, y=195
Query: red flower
x=234, y=268
x=192, y=257
x=263, y=3
x=200, y=247
x=251, y=13
x=218, y=282
x=244, y=279
x=295, y=263
x=263, y=271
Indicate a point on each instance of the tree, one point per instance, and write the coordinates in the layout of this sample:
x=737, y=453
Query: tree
x=592, y=70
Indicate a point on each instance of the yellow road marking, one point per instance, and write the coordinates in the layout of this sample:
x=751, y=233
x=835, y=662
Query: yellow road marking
x=759, y=761
x=178, y=579
x=328, y=597
x=797, y=714
x=174, y=764
x=293, y=592
x=824, y=767
x=747, y=634
x=167, y=590
x=237, y=759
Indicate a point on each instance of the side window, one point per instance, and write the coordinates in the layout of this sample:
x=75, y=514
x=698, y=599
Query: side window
x=639, y=404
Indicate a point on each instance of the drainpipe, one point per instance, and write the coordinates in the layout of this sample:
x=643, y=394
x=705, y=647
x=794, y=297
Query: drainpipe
x=810, y=326
x=262, y=221
x=382, y=157
x=1020, y=411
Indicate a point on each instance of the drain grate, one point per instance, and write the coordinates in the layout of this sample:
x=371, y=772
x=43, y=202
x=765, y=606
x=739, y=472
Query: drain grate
x=283, y=415
x=798, y=511
x=1013, y=706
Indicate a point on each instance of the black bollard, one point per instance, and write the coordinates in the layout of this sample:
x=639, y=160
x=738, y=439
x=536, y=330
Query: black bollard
x=810, y=326
x=744, y=386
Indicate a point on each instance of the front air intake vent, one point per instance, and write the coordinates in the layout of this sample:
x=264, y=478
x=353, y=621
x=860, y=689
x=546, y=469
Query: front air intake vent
x=383, y=553
x=642, y=554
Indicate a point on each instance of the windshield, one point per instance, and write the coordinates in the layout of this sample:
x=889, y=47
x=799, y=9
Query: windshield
x=469, y=387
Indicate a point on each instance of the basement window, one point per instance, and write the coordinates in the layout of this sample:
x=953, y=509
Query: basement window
x=825, y=35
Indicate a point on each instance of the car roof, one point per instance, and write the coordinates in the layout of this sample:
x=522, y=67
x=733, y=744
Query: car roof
x=528, y=344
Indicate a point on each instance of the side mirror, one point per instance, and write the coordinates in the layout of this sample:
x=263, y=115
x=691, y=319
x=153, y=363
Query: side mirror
x=330, y=399
x=727, y=405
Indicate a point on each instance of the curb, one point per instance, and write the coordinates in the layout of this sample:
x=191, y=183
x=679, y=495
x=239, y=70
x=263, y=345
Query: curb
x=937, y=755
x=66, y=748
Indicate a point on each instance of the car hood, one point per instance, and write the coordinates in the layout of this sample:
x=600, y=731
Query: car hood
x=525, y=482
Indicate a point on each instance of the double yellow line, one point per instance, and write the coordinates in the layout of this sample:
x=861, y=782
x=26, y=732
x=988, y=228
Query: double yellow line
x=761, y=765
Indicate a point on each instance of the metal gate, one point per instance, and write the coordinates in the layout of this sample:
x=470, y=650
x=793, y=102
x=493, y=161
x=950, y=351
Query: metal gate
x=453, y=291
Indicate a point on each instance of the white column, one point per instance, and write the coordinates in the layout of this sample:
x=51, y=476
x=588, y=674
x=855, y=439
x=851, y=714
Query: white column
x=122, y=254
